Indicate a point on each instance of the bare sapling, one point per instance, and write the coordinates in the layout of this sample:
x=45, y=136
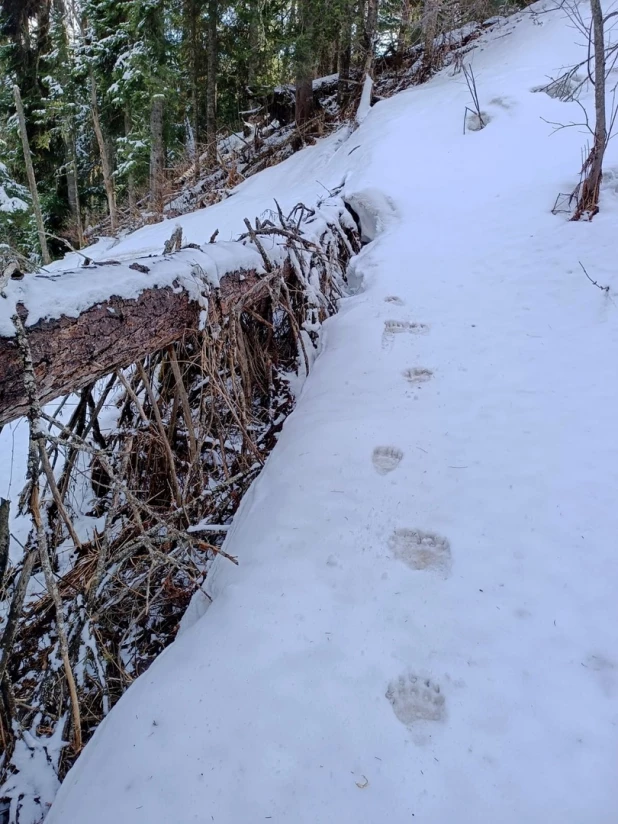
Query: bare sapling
x=156, y=153
x=474, y=118
x=601, y=59
x=106, y=163
x=34, y=192
x=592, y=170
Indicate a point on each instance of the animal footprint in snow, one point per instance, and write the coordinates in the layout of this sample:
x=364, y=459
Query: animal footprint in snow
x=394, y=299
x=417, y=375
x=421, y=550
x=386, y=458
x=502, y=101
x=416, y=699
x=400, y=327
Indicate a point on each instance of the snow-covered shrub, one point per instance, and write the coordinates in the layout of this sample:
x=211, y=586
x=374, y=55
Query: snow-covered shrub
x=15, y=212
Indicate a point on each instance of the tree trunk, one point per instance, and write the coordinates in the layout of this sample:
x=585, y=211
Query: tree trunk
x=304, y=100
x=211, y=91
x=157, y=153
x=130, y=176
x=5, y=538
x=328, y=58
x=431, y=9
x=34, y=192
x=73, y=189
x=195, y=104
x=403, y=36
x=588, y=202
x=106, y=165
x=304, y=64
x=370, y=35
x=69, y=352
x=193, y=52
x=344, y=62
x=256, y=43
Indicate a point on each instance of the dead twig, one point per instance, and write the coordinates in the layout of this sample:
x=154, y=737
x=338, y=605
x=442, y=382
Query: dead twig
x=34, y=417
x=598, y=285
x=476, y=110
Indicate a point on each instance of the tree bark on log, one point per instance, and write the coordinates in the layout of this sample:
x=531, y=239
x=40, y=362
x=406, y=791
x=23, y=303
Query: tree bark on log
x=69, y=353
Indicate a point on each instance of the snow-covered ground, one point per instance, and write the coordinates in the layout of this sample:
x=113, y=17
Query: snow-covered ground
x=298, y=179
x=422, y=625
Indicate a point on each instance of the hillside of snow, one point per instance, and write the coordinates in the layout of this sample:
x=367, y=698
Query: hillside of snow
x=422, y=624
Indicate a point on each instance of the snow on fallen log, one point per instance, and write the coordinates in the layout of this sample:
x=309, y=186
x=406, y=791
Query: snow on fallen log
x=85, y=342
x=56, y=292
x=83, y=324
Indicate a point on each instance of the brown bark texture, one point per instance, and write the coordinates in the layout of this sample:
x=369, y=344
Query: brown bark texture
x=588, y=201
x=70, y=353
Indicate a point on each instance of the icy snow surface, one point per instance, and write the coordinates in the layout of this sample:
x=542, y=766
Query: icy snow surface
x=423, y=623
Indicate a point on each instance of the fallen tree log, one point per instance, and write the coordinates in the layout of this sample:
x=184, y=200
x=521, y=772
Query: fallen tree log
x=82, y=324
x=71, y=352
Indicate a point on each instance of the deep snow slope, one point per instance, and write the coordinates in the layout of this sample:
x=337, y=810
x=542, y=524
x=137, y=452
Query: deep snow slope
x=422, y=625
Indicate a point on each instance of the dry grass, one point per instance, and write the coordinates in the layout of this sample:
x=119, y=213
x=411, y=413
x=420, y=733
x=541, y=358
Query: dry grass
x=193, y=426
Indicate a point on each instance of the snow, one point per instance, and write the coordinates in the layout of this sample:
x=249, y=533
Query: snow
x=329, y=80
x=33, y=758
x=70, y=292
x=57, y=291
x=365, y=102
x=66, y=287
x=374, y=211
x=11, y=204
x=298, y=179
x=317, y=84
x=422, y=624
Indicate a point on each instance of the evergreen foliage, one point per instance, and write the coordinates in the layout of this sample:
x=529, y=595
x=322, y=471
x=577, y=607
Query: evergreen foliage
x=132, y=50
